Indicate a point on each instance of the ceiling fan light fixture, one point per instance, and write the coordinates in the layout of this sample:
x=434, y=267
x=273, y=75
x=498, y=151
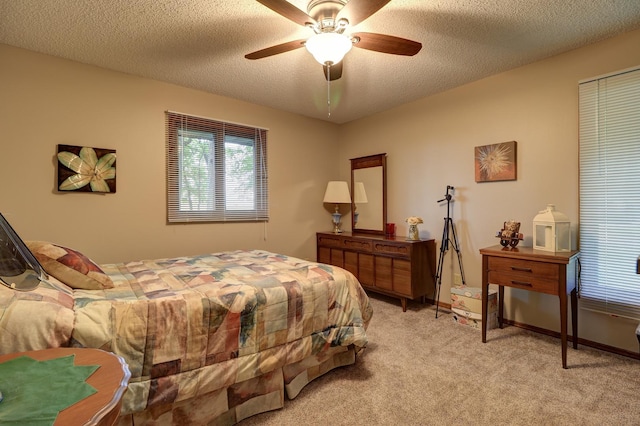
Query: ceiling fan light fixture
x=329, y=48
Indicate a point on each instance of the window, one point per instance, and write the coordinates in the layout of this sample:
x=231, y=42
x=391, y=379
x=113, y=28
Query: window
x=216, y=171
x=610, y=193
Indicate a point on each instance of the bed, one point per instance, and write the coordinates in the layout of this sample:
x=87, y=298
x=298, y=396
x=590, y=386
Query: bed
x=209, y=339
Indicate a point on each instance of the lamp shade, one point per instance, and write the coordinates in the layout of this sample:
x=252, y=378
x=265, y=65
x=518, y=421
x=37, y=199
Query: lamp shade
x=328, y=48
x=359, y=194
x=337, y=192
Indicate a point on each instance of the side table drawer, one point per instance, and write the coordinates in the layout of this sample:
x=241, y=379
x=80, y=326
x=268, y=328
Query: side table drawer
x=527, y=267
x=524, y=281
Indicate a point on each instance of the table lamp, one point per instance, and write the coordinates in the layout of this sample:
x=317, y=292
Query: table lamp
x=337, y=193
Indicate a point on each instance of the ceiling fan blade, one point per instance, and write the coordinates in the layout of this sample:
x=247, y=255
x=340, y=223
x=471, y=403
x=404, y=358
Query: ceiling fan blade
x=335, y=71
x=356, y=11
x=387, y=44
x=275, y=50
x=289, y=11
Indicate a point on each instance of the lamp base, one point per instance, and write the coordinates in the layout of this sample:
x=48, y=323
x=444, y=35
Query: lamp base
x=336, y=223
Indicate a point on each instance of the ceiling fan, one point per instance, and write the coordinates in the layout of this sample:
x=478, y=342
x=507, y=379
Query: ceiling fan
x=330, y=20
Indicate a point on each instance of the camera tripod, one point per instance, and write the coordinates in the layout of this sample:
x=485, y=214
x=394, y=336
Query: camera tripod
x=448, y=232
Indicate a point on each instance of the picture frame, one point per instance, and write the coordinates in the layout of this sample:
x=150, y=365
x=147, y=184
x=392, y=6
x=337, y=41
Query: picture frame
x=86, y=169
x=496, y=162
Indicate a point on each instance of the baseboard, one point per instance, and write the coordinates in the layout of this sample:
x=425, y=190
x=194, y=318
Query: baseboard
x=584, y=342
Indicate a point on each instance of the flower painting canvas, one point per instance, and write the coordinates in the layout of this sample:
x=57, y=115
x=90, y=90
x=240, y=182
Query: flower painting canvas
x=85, y=169
x=495, y=162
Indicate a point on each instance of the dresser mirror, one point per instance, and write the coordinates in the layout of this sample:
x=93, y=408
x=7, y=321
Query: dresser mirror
x=369, y=194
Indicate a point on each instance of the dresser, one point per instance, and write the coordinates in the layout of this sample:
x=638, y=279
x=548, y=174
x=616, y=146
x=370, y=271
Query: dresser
x=386, y=265
x=532, y=270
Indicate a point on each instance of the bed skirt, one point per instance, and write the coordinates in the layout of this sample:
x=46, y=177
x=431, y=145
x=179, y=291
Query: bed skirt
x=235, y=403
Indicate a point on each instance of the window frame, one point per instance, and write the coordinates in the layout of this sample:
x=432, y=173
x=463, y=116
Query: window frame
x=609, y=208
x=221, y=131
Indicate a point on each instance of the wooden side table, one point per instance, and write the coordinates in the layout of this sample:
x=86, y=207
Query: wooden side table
x=110, y=381
x=533, y=270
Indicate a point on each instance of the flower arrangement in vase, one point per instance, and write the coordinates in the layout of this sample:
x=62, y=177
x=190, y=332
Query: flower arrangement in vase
x=414, y=221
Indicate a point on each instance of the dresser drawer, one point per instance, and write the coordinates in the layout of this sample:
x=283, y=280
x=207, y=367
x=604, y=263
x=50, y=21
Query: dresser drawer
x=365, y=269
x=524, y=281
x=402, y=277
x=358, y=245
x=403, y=250
x=383, y=271
x=329, y=241
x=324, y=255
x=543, y=270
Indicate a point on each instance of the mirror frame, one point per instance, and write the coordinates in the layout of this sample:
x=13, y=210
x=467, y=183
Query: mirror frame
x=377, y=160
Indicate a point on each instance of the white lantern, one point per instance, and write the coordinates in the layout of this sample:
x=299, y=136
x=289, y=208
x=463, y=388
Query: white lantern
x=551, y=230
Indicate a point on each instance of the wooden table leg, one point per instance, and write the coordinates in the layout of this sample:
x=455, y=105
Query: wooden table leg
x=501, y=306
x=563, y=326
x=574, y=317
x=485, y=297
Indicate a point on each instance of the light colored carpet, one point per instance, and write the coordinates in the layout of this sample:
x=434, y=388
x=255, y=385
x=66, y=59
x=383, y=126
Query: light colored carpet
x=419, y=370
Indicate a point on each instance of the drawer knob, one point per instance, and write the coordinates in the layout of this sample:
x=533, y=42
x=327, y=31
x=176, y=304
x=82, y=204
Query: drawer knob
x=522, y=283
x=515, y=268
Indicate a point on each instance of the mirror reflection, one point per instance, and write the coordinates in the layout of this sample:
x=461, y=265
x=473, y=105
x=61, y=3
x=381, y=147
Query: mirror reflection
x=368, y=176
x=369, y=209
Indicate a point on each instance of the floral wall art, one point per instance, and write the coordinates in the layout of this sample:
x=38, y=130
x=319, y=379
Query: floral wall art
x=85, y=169
x=495, y=162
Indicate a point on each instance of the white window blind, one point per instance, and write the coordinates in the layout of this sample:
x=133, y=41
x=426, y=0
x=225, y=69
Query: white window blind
x=216, y=171
x=610, y=193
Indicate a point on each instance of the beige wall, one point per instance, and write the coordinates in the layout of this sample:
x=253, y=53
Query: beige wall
x=48, y=101
x=430, y=144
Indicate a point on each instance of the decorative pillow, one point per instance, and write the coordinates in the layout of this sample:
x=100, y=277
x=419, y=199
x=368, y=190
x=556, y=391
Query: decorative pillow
x=69, y=266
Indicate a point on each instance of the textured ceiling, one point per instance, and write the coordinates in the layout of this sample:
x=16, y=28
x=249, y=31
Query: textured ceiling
x=201, y=44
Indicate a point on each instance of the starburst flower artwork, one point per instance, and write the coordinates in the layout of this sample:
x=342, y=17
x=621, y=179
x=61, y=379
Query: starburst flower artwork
x=495, y=162
x=86, y=169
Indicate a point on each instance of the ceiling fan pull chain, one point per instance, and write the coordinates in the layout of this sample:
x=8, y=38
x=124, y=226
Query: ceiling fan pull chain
x=328, y=90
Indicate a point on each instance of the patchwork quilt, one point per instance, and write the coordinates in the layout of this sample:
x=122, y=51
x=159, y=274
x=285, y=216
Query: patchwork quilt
x=189, y=326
